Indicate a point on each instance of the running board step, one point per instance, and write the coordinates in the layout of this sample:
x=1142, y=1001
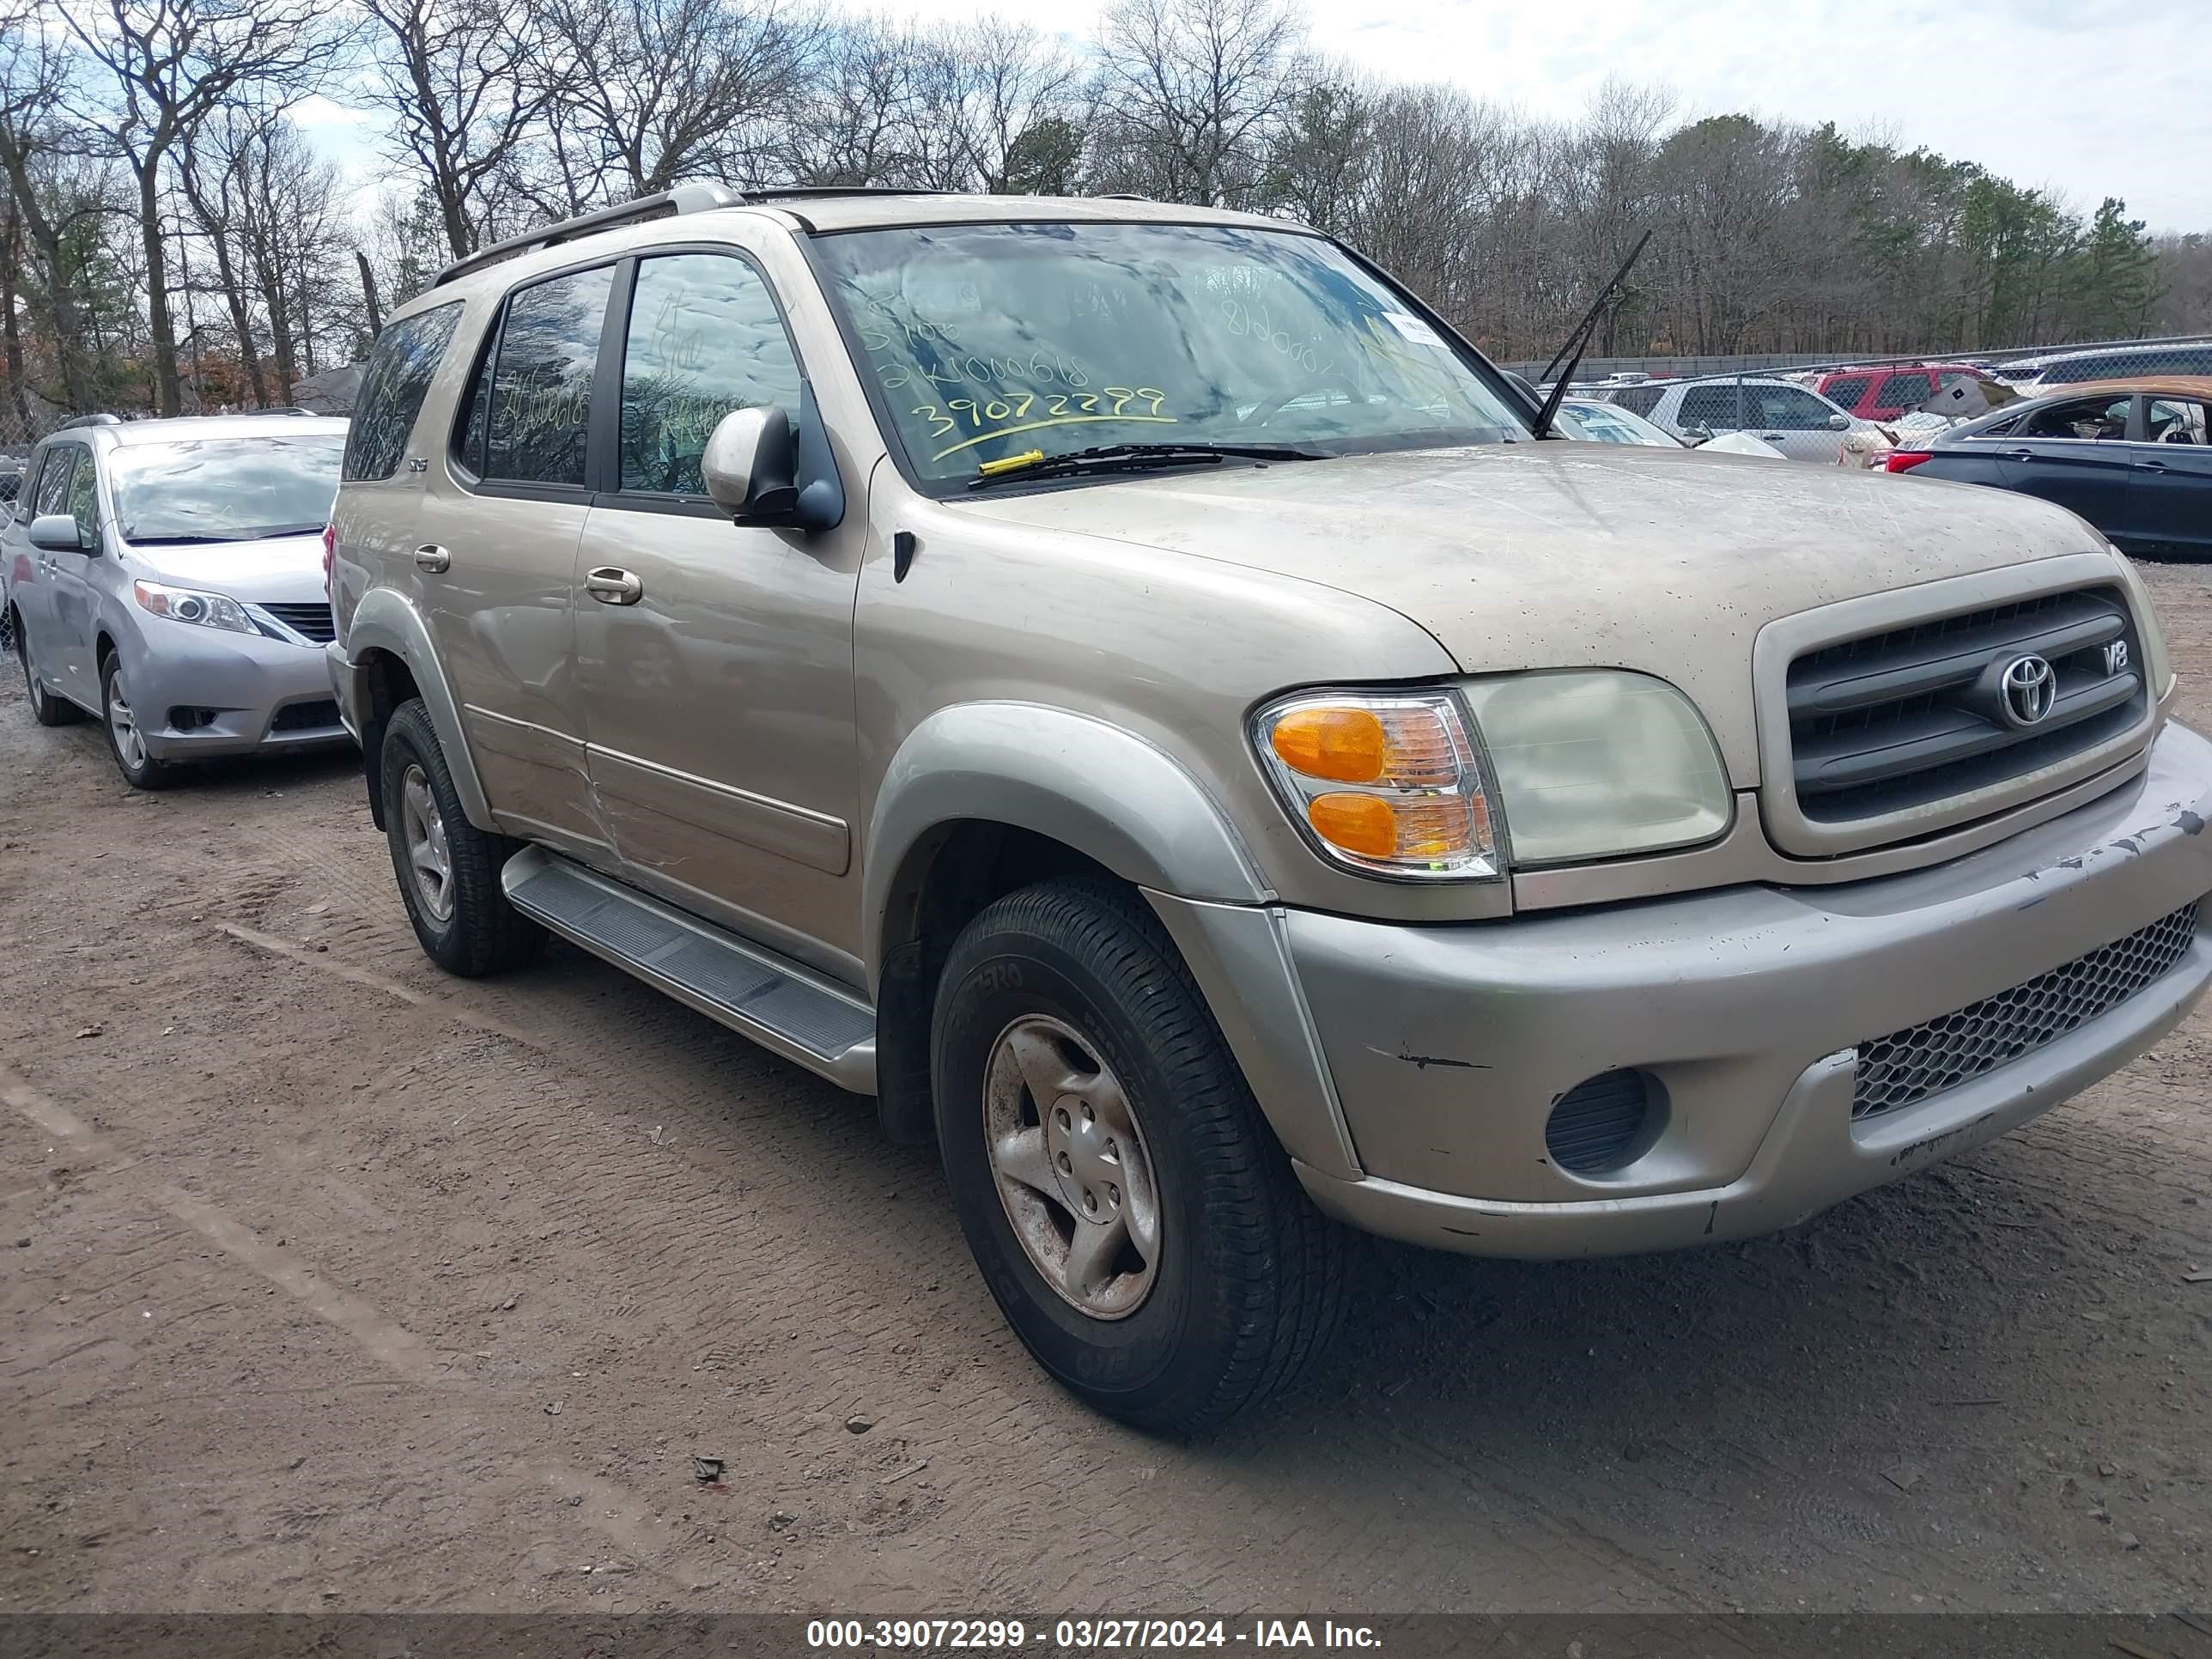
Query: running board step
x=752, y=990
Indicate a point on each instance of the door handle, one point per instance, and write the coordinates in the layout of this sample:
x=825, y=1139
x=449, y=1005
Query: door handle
x=2150, y=466
x=2019, y=455
x=1771, y=437
x=610, y=586
x=432, y=558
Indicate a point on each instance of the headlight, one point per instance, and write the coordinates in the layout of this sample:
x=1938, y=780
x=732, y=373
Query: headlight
x=1598, y=764
x=185, y=605
x=1386, y=782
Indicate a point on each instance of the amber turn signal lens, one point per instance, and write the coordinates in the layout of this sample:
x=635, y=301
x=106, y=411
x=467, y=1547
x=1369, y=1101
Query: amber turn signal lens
x=1346, y=745
x=1365, y=824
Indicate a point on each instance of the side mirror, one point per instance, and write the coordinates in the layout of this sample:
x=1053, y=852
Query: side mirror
x=56, y=533
x=1694, y=435
x=1839, y=422
x=760, y=471
x=747, y=466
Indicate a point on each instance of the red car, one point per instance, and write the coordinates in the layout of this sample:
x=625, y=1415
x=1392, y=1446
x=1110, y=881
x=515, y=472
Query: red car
x=1885, y=393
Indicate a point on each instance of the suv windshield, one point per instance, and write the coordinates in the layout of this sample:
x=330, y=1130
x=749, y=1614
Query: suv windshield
x=224, y=489
x=992, y=341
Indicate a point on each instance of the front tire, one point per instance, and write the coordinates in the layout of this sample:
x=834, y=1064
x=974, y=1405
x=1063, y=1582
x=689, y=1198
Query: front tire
x=46, y=708
x=1133, y=1214
x=126, y=741
x=448, y=869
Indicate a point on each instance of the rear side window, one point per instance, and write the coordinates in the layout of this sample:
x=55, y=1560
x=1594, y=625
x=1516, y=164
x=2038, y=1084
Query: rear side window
x=1847, y=391
x=541, y=385
x=1905, y=391
x=705, y=338
x=400, y=366
x=1712, y=406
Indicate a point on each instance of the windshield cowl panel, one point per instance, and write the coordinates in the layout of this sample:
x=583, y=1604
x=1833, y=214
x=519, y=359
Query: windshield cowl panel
x=983, y=343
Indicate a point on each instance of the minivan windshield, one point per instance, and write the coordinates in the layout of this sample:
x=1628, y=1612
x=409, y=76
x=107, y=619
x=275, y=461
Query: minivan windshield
x=225, y=489
x=987, y=342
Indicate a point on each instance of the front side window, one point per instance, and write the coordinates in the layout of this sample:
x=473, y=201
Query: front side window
x=705, y=338
x=225, y=489
x=2175, y=421
x=400, y=366
x=1606, y=425
x=53, y=493
x=1789, y=408
x=1640, y=400
x=541, y=389
x=986, y=342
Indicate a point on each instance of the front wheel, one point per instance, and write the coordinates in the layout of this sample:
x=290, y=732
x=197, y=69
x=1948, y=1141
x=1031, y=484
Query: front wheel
x=1132, y=1212
x=448, y=869
x=126, y=741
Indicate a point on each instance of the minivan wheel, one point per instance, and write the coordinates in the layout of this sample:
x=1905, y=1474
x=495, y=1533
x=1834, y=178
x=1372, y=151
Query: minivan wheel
x=1133, y=1214
x=448, y=869
x=46, y=708
x=124, y=740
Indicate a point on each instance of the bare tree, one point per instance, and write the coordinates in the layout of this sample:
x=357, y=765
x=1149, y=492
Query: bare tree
x=856, y=125
x=465, y=85
x=33, y=74
x=991, y=98
x=1188, y=91
x=168, y=63
x=648, y=92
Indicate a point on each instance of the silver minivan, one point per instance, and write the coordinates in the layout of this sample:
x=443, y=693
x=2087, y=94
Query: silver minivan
x=166, y=577
x=1127, y=687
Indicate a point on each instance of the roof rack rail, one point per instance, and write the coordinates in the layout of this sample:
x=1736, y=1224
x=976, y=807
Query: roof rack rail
x=799, y=192
x=279, y=409
x=684, y=198
x=1120, y=195
x=102, y=419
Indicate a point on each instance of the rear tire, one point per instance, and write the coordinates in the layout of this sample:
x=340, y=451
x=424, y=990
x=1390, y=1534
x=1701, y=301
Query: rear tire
x=448, y=869
x=46, y=708
x=1066, y=1003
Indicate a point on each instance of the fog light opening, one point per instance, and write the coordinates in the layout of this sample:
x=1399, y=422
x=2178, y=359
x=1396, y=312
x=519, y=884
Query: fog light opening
x=1605, y=1122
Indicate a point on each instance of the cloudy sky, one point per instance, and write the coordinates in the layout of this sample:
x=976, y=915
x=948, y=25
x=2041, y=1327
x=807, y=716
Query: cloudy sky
x=2086, y=97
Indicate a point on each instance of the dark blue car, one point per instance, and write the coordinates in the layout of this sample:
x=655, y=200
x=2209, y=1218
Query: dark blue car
x=2133, y=458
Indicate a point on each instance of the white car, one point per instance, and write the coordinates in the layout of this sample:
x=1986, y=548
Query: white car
x=1803, y=425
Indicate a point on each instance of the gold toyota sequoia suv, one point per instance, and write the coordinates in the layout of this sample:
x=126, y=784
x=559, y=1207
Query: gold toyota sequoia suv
x=1130, y=689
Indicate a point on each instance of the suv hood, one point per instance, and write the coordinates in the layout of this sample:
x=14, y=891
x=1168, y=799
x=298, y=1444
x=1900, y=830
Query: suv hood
x=274, y=570
x=1564, y=554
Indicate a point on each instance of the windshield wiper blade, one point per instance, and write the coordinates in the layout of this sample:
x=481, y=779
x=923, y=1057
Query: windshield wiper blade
x=1133, y=458
x=1578, y=341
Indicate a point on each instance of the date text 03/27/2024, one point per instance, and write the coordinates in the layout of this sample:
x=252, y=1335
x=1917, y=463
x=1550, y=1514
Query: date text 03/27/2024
x=1085, y=1635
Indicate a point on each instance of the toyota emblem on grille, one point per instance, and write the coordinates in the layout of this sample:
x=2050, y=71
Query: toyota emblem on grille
x=2029, y=688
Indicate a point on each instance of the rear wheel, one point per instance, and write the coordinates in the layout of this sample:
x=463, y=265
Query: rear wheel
x=126, y=741
x=46, y=708
x=448, y=869
x=1132, y=1212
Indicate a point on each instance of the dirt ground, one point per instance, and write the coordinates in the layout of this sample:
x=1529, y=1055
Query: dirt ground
x=331, y=1283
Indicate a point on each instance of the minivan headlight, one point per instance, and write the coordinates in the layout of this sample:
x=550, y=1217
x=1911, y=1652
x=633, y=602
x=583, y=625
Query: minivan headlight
x=1597, y=764
x=187, y=604
x=1386, y=782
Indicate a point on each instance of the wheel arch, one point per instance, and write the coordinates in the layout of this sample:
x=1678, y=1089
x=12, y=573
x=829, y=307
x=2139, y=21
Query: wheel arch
x=984, y=798
x=387, y=645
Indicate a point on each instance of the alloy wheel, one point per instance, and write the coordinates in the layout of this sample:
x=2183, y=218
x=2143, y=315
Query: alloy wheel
x=1072, y=1168
x=428, y=855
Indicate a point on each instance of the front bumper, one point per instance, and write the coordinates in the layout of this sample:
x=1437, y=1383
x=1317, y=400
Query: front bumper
x=1446, y=1047
x=201, y=693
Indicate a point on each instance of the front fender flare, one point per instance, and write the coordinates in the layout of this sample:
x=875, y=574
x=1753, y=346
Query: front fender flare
x=387, y=620
x=1078, y=781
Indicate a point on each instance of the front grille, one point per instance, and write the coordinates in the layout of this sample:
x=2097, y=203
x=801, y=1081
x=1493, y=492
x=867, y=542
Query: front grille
x=305, y=717
x=309, y=622
x=1901, y=719
x=1924, y=1060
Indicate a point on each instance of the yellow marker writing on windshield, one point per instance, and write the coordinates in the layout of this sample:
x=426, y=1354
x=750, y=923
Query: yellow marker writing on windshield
x=1010, y=463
